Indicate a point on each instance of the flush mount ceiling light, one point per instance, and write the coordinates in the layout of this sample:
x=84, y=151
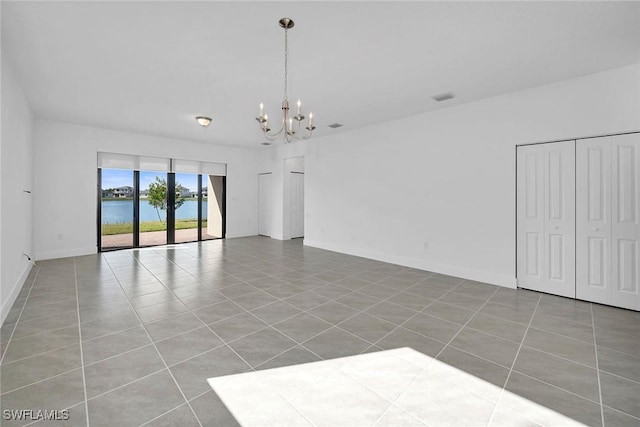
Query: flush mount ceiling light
x=444, y=96
x=203, y=121
x=289, y=125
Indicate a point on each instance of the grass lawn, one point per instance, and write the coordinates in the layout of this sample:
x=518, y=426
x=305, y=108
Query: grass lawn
x=127, y=227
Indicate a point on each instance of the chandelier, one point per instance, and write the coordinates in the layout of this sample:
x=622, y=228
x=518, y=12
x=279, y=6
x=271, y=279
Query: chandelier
x=289, y=125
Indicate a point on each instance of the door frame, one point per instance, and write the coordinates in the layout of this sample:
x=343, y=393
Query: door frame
x=291, y=207
x=260, y=202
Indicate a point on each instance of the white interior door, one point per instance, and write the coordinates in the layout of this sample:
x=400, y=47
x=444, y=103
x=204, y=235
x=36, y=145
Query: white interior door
x=265, y=204
x=530, y=217
x=625, y=223
x=608, y=225
x=593, y=220
x=297, y=205
x=546, y=218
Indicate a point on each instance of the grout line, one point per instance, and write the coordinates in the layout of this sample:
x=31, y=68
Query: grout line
x=558, y=388
x=595, y=350
x=36, y=334
x=619, y=376
x=506, y=381
x=43, y=305
x=198, y=396
x=41, y=319
x=398, y=407
x=635, y=356
x=4, y=393
x=163, y=414
x=477, y=356
x=30, y=356
x=119, y=331
x=622, y=412
x=117, y=355
x=15, y=325
x=558, y=334
x=126, y=384
x=84, y=380
x=198, y=355
x=160, y=355
x=557, y=356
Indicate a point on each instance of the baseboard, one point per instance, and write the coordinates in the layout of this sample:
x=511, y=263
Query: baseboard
x=41, y=256
x=13, y=294
x=246, y=233
x=451, y=270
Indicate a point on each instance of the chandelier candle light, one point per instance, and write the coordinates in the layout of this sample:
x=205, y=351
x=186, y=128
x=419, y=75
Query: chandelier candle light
x=290, y=125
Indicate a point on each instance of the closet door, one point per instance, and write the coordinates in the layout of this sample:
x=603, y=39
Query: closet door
x=625, y=223
x=608, y=225
x=264, y=204
x=593, y=220
x=546, y=218
x=530, y=217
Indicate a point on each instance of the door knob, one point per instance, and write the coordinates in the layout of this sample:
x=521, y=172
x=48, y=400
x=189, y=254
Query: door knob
x=596, y=229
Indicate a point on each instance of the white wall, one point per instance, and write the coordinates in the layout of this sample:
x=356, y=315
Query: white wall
x=437, y=191
x=66, y=158
x=16, y=176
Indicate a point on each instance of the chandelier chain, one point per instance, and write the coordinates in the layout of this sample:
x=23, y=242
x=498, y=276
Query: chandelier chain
x=286, y=56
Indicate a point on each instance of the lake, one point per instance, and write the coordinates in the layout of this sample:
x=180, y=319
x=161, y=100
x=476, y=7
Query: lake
x=120, y=211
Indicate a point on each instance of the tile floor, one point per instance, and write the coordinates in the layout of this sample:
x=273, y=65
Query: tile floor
x=130, y=338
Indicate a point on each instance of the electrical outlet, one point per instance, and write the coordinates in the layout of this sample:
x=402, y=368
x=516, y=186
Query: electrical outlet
x=426, y=244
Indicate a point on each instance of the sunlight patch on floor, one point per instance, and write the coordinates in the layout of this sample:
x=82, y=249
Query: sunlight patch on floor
x=400, y=387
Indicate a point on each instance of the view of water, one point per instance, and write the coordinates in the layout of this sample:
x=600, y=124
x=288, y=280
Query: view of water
x=120, y=211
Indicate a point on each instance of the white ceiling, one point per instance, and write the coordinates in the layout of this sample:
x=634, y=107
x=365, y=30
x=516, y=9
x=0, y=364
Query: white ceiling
x=151, y=67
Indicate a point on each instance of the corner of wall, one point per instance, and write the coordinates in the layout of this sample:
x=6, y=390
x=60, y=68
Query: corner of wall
x=8, y=300
x=16, y=203
x=451, y=270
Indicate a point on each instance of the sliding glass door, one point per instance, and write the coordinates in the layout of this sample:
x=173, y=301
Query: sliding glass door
x=186, y=207
x=139, y=208
x=153, y=208
x=115, y=206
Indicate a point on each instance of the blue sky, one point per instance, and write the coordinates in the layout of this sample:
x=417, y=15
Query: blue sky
x=112, y=178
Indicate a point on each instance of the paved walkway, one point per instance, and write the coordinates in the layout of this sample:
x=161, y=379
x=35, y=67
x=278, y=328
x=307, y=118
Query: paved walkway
x=152, y=238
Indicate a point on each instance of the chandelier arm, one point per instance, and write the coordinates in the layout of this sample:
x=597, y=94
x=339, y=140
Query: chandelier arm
x=297, y=137
x=272, y=136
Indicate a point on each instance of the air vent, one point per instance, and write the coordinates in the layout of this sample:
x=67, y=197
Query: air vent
x=336, y=125
x=444, y=96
